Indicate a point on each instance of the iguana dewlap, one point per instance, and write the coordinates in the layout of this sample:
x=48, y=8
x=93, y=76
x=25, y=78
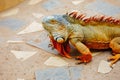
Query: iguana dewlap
x=84, y=34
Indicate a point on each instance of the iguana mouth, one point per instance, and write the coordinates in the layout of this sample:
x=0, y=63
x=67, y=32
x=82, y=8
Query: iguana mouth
x=60, y=39
x=63, y=48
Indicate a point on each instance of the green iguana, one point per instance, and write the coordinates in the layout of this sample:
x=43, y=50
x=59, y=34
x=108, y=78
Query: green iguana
x=96, y=32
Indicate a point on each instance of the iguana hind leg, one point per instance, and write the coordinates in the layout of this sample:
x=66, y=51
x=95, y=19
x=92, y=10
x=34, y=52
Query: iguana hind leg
x=86, y=54
x=115, y=46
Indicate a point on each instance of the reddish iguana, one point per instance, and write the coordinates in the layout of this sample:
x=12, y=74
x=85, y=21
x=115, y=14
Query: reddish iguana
x=84, y=34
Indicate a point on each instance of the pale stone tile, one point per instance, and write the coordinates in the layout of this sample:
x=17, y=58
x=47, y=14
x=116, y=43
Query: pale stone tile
x=104, y=67
x=53, y=74
x=20, y=79
x=15, y=41
x=33, y=2
x=76, y=2
x=23, y=55
x=33, y=27
x=61, y=73
x=55, y=61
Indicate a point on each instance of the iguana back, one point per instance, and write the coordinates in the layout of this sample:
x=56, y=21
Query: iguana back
x=96, y=28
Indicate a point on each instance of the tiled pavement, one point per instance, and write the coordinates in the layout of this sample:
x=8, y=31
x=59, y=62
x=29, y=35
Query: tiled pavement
x=63, y=73
x=16, y=19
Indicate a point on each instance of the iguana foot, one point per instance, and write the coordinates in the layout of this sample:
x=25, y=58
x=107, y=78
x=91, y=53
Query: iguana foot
x=51, y=46
x=114, y=59
x=85, y=58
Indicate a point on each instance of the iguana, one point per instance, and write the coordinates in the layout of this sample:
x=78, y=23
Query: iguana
x=84, y=33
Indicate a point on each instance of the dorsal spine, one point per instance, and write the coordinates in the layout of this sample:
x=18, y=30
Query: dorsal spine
x=75, y=17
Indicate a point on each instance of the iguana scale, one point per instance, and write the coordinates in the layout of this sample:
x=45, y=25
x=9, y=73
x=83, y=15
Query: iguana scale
x=84, y=33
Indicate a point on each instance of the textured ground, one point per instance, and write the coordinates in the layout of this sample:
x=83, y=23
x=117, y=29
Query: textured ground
x=16, y=19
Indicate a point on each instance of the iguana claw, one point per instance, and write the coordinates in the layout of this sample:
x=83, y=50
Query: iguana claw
x=114, y=59
x=85, y=58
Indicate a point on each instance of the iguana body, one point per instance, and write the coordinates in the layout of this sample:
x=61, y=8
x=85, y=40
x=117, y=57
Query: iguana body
x=84, y=34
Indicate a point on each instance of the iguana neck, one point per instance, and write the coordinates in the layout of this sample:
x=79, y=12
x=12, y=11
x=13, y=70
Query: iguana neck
x=73, y=20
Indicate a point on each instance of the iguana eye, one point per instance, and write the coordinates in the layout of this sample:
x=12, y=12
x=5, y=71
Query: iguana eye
x=53, y=21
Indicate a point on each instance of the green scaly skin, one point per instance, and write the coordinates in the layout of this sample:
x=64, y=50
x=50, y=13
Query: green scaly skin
x=84, y=36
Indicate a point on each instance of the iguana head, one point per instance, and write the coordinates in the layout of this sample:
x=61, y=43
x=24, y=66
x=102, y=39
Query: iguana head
x=56, y=27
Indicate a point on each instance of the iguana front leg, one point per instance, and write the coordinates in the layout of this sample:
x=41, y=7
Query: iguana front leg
x=115, y=46
x=86, y=54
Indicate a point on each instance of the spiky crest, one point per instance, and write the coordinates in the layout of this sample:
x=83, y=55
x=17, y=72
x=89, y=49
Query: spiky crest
x=93, y=20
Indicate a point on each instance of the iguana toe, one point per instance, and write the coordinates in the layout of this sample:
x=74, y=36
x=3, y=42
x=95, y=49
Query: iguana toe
x=85, y=58
x=114, y=59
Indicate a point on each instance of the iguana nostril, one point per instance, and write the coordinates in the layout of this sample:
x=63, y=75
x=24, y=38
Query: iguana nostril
x=60, y=39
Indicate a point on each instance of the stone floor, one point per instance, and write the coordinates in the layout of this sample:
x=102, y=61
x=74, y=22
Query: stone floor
x=24, y=60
